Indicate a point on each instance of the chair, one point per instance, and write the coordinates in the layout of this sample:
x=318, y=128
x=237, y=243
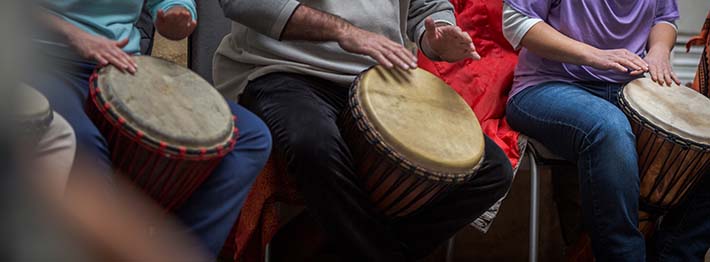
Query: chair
x=538, y=156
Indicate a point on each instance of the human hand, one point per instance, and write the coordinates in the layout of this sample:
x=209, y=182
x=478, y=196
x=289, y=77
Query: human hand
x=176, y=23
x=449, y=42
x=385, y=51
x=660, y=67
x=621, y=60
x=103, y=50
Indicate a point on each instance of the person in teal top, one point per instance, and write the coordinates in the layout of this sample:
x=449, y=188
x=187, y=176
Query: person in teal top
x=97, y=29
x=84, y=34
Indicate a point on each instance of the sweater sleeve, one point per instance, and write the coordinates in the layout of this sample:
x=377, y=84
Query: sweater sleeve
x=155, y=5
x=268, y=17
x=440, y=10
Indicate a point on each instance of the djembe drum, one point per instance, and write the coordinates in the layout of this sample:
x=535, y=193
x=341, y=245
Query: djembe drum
x=413, y=138
x=672, y=131
x=166, y=127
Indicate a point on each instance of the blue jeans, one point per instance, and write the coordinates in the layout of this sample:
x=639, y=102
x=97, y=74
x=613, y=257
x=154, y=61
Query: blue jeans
x=582, y=123
x=684, y=234
x=212, y=210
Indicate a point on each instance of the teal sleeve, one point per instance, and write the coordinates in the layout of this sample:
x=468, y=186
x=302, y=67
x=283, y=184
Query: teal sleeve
x=165, y=5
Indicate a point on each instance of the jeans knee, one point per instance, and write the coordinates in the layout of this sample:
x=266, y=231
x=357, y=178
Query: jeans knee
x=613, y=132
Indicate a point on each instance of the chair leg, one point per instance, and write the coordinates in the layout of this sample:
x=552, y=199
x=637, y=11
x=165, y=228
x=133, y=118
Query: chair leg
x=534, y=207
x=450, y=249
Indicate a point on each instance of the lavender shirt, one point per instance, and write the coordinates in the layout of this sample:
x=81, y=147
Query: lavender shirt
x=605, y=24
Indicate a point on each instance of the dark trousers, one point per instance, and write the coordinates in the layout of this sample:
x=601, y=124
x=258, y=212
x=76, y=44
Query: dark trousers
x=301, y=112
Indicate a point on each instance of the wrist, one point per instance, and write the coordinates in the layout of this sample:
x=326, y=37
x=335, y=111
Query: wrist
x=341, y=31
x=589, y=55
x=659, y=50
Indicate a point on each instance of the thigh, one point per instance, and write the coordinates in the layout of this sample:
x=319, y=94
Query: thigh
x=301, y=118
x=565, y=117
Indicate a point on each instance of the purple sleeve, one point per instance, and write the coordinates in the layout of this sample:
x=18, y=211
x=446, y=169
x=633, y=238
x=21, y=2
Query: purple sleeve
x=666, y=10
x=532, y=8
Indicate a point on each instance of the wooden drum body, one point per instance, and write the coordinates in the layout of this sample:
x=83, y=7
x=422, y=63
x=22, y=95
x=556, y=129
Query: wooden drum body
x=672, y=131
x=412, y=136
x=167, y=128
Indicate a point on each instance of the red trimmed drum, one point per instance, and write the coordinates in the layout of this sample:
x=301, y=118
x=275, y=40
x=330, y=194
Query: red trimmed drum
x=166, y=127
x=413, y=138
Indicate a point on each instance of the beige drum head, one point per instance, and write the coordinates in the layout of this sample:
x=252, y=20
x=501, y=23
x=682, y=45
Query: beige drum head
x=168, y=103
x=677, y=110
x=422, y=118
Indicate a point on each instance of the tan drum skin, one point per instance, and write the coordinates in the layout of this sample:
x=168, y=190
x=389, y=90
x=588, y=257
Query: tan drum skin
x=412, y=136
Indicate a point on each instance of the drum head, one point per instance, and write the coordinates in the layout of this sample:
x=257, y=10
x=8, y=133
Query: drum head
x=168, y=103
x=677, y=110
x=422, y=118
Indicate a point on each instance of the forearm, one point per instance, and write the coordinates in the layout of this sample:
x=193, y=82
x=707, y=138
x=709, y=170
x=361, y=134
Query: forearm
x=545, y=41
x=313, y=25
x=58, y=25
x=662, y=37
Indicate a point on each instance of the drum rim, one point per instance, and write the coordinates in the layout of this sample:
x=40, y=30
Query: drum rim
x=642, y=120
x=181, y=152
x=376, y=139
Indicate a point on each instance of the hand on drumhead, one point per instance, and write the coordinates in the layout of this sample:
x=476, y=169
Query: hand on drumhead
x=176, y=23
x=385, y=51
x=660, y=67
x=620, y=60
x=449, y=42
x=103, y=51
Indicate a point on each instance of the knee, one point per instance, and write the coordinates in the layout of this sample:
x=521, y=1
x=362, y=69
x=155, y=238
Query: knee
x=500, y=169
x=313, y=145
x=612, y=131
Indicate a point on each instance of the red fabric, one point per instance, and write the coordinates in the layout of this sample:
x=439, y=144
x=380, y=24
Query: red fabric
x=484, y=84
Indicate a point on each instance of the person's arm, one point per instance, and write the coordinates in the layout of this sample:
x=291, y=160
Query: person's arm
x=91, y=47
x=660, y=43
x=174, y=19
x=432, y=26
x=545, y=41
x=290, y=20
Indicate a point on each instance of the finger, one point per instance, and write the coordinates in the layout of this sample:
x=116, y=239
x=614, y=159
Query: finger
x=99, y=59
x=115, y=62
x=381, y=59
x=675, y=78
x=394, y=58
x=161, y=14
x=638, y=61
x=406, y=56
x=475, y=55
x=654, y=73
x=667, y=77
x=637, y=72
x=618, y=67
x=126, y=59
x=121, y=44
x=630, y=64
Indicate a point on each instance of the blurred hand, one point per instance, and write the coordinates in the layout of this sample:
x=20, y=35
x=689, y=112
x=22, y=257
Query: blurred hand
x=620, y=60
x=175, y=24
x=102, y=50
x=449, y=42
x=385, y=51
x=659, y=66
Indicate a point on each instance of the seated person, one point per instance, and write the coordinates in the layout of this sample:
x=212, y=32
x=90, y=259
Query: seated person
x=84, y=34
x=294, y=61
x=575, y=57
